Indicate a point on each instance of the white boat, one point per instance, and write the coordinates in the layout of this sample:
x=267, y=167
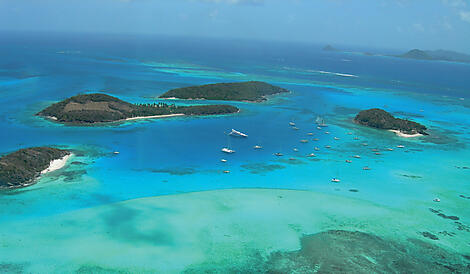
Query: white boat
x=437, y=200
x=227, y=150
x=291, y=123
x=304, y=141
x=223, y=160
x=366, y=168
x=278, y=154
x=226, y=171
x=400, y=146
x=116, y=152
x=336, y=138
x=296, y=128
x=316, y=149
x=327, y=146
x=357, y=156
x=318, y=127
x=311, y=155
x=237, y=133
x=296, y=149
x=309, y=134
x=316, y=139
x=257, y=147
x=390, y=149
x=335, y=180
x=320, y=122
x=327, y=132
x=348, y=161
x=365, y=144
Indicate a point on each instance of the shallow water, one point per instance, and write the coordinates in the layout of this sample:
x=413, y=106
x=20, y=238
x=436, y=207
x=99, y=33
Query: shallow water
x=100, y=191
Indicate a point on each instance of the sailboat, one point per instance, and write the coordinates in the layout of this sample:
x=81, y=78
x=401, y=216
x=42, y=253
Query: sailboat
x=227, y=150
x=237, y=133
x=320, y=122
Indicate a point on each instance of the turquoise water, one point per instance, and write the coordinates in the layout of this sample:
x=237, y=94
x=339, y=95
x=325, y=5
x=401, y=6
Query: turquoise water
x=109, y=211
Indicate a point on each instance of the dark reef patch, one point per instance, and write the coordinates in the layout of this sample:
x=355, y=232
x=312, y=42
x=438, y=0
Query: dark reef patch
x=465, y=197
x=77, y=163
x=177, y=171
x=411, y=176
x=354, y=190
x=439, y=213
x=99, y=269
x=73, y=175
x=11, y=268
x=260, y=168
x=429, y=235
x=339, y=251
x=462, y=227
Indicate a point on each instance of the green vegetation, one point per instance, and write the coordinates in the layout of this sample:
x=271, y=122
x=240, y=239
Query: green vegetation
x=244, y=91
x=21, y=168
x=379, y=118
x=98, y=108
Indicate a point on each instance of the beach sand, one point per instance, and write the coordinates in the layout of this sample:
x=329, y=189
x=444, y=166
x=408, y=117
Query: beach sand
x=154, y=116
x=57, y=164
x=404, y=135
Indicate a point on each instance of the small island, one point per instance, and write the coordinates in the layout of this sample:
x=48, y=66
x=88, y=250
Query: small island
x=253, y=91
x=330, y=48
x=22, y=168
x=102, y=108
x=379, y=118
x=437, y=55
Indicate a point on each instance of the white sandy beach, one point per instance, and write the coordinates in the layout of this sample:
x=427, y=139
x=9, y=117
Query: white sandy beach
x=57, y=164
x=155, y=116
x=404, y=135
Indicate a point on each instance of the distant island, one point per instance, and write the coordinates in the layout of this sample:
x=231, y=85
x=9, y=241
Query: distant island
x=379, y=118
x=438, y=55
x=21, y=168
x=101, y=108
x=253, y=91
x=330, y=48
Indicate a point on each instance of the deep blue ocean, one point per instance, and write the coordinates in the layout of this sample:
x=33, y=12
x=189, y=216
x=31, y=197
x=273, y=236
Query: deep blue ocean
x=182, y=155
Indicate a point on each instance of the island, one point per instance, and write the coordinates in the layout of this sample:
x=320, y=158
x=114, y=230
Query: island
x=252, y=91
x=22, y=168
x=102, y=108
x=379, y=118
x=437, y=55
x=330, y=48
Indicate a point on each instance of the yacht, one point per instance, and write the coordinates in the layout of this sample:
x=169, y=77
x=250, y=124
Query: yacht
x=327, y=146
x=327, y=132
x=223, y=160
x=278, y=154
x=312, y=155
x=390, y=149
x=335, y=180
x=348, y=161
x=336, y=138
x=316, y=149
x=366, y=168
x=318, y=127
x=309, y=134
x=226, y=171
x=304, y=141
x=291, y=124
x=237, y=133
x=437, y=200
x=296, y=149
x=257, y=147
x=400, y=146
x=349, y=133
x=356, y=138
x=316, y=139
x=227, y=150
x=116, y=152
x=357, y=156
x=378, y=153
x=365, y=144
x=292, y=158
x=375, y=150
x=320, y=122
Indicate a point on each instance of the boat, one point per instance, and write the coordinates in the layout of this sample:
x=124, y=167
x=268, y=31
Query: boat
x=390, y=149
x=375, y=150
x=278, y=154
x=291, y=124
x=336, y=138
x=295, y=128
x=226, y=171
x=237, y=133
x=116, y=152
x=366, y=168
x=327, y=132
x=365, y=144
x=227, y=150
x=357, y=156
x=296, y=149
x=400, y=146
x=304, y=141
x=436, y=200
x=310, y=133
x=223, y=160
x=335, y=180
x=312, y=155
x=356, y=138
x=292, y=158
x=348, y=161
x=316, y=149
x=316, y=139
x=320, y=122
x=349, y=133
x=327, y=146
x=257, y=147
x=318, y=127
x=378, y=153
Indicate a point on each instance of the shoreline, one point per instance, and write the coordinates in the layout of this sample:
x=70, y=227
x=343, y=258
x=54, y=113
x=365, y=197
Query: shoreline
x=404, y=135
x=57, y=164
x=154, y=116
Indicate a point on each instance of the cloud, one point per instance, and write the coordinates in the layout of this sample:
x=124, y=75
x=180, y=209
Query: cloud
x=465, y=15
x=455, y=3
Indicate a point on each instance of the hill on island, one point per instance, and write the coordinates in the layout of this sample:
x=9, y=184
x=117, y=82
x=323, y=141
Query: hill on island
x=22, y=167
x=253, y=91
x=438, y=55
x=99, y=108
x=379, y=118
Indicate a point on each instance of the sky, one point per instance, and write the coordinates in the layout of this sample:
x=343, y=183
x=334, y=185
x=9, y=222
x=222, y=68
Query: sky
x=391, y=24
